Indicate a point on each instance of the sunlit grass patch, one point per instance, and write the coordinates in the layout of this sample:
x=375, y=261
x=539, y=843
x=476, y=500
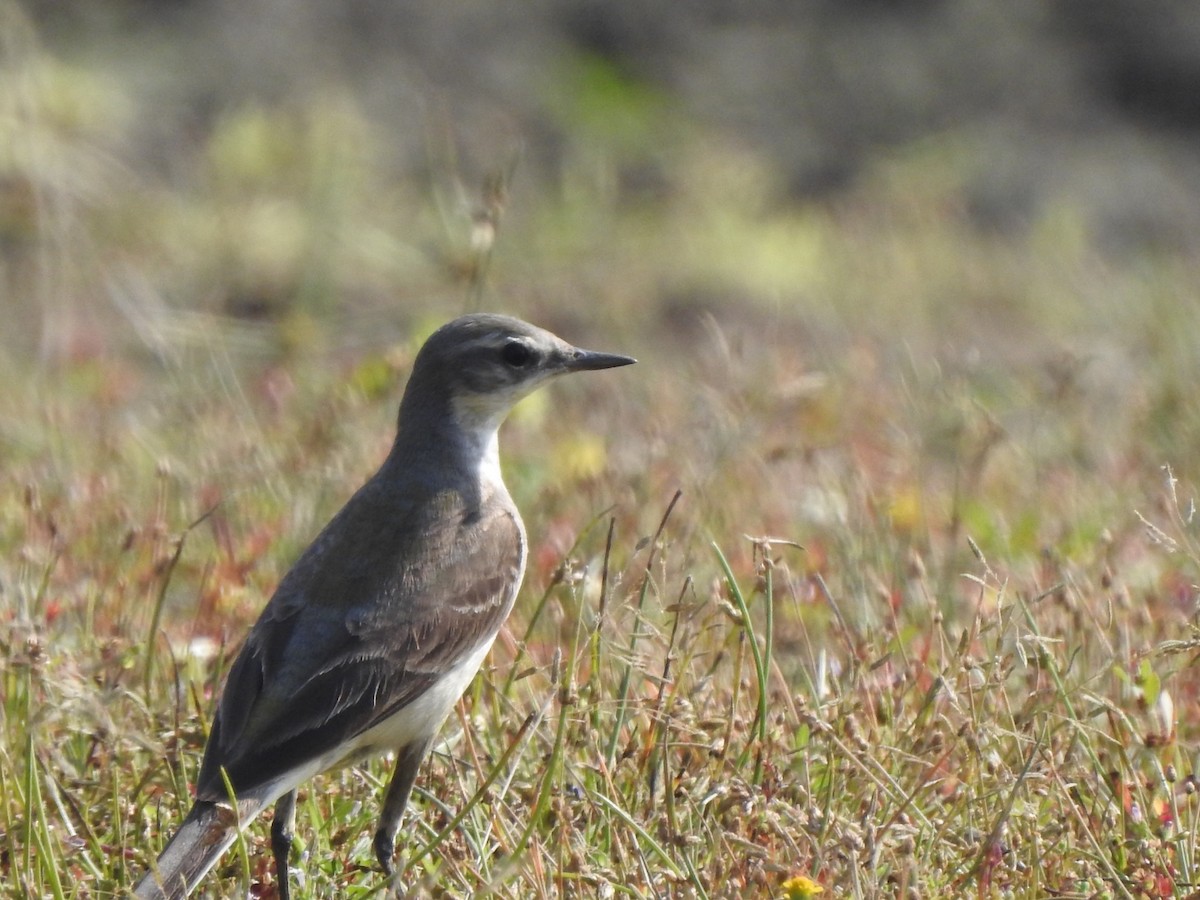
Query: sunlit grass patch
x=878, y=659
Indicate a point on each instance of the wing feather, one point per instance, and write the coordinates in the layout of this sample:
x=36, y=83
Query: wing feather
x=388, y=598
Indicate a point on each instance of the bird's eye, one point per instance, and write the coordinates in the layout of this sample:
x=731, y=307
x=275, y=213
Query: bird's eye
x=516, y=354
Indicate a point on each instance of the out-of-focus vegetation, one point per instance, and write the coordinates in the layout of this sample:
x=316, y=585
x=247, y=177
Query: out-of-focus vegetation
x=915, y=349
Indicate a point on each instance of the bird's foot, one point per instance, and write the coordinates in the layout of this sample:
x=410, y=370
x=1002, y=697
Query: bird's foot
x=281, y=847
x=385, y=849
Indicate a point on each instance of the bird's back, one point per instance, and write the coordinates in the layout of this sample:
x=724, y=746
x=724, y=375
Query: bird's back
x=407, y=582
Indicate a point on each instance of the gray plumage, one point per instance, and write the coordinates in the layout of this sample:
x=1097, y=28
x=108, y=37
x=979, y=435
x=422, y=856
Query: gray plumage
x=374, y=633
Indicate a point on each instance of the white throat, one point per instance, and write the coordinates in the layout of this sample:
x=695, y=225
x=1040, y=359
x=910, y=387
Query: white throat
x=489, y=457
x=479, y=420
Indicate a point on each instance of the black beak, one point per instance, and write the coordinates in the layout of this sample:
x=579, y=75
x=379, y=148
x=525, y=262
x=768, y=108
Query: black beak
x=587, y=360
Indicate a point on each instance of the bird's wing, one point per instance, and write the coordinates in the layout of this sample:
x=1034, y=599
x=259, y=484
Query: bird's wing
x=383, y=604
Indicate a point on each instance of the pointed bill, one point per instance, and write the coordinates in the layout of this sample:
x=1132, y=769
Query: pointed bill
x=579, y=360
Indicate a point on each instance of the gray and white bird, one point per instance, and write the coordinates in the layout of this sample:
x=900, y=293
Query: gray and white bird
x=379, y=627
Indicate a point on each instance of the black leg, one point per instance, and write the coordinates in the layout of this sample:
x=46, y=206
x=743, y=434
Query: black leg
x=281, y=840
x=407, y=764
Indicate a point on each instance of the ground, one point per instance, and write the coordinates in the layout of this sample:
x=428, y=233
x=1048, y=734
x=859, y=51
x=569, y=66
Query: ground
x=876, y=574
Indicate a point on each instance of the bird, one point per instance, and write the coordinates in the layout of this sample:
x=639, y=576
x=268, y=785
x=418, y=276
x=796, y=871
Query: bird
x=382, y=622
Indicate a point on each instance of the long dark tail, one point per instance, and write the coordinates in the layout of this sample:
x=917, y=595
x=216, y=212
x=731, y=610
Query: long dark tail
x=206, y=833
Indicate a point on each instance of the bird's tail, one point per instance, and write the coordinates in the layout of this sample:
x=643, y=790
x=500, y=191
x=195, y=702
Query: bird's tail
x=206, y=833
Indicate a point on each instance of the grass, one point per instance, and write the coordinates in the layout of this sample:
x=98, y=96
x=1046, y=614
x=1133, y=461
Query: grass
x=870, y=573
x=675, y=708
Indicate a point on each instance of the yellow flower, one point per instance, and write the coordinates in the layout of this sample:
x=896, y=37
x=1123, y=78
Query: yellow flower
x=904, y=509
x=801, y=887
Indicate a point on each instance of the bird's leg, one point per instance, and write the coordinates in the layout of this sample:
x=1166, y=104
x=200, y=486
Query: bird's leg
x=281, y=840
x=408, y=762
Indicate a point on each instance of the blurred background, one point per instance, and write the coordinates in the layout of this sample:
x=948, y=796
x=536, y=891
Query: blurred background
x=946, y=225
x=831, y=164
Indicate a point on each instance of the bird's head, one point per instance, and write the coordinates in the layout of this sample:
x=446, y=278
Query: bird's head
x=480, y=365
